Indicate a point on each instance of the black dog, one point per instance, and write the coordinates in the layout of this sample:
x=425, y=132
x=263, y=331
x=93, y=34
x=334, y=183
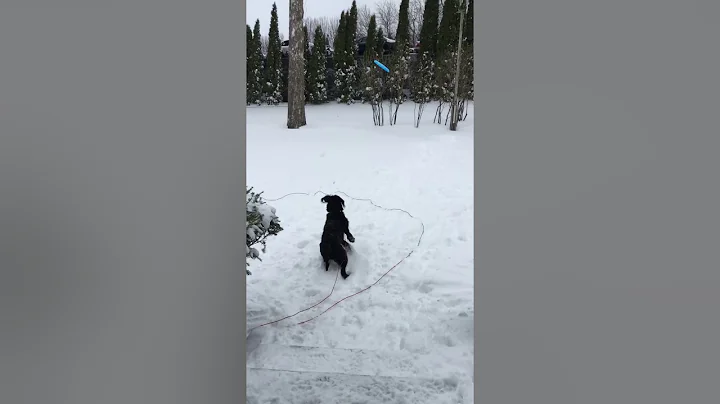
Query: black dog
x=333, y=244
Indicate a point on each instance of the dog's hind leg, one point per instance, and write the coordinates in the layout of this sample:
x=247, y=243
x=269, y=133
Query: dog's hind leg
x=343, y=265
x=326, y=254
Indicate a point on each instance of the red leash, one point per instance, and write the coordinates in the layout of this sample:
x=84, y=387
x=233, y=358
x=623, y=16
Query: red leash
x=301, y=311
x=328, y=296
x=354, y=294
x=338, y=272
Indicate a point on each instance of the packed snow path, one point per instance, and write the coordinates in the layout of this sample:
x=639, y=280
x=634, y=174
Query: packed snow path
x=409, y=339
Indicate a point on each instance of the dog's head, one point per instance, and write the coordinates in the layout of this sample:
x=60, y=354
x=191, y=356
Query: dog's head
x=334, y=203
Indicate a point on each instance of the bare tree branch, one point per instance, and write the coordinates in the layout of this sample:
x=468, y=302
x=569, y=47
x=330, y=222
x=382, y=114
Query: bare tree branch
x=329, y=26
x=387, y=14
x=311, y=24
x=364, y=14
x=417, y=8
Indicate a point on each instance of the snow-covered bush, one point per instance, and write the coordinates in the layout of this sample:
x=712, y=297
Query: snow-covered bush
x=261, y=223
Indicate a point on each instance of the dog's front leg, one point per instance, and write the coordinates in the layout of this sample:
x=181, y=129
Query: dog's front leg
x=346, y=231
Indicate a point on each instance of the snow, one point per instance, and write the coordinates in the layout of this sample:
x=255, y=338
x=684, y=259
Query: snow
x=267, y=212
x=409, y=338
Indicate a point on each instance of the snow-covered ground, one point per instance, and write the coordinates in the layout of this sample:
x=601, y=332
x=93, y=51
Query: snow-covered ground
x=408, y=339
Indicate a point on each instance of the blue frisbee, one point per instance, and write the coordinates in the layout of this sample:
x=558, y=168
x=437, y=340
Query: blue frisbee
x=382, y=66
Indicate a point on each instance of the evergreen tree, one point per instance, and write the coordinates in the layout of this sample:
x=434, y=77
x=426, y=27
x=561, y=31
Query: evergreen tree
x=339, y=43
x=399, y=60
x=468, y=28
x=444, y=79
x=306, y=48
x=381, y=57
x=445, y=61
x=248, y=62
x=429, y=29
x=317, y=79
x=466, y=81
x=254, y=67
x=257, y=38
x=306, y=45
x=421, y=89
x=466, y=85
x=380, y=43
x=424, y=84
x=340, y=59
x=273, y=70
x=346, y=75
x=371, y=41
x=248, y=41
x=371, y=78
x=449, y=26
x=352, y=25
x=352, y=74
x=402, y=37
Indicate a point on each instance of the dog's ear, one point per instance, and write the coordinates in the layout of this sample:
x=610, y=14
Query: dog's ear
x=324, y=199
x=341, y=201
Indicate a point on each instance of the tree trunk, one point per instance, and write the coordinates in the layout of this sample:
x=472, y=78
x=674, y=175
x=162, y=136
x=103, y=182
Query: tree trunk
x=296, y=67
x=454, y=107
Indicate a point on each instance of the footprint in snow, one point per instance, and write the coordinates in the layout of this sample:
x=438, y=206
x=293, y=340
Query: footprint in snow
x=312, y=292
